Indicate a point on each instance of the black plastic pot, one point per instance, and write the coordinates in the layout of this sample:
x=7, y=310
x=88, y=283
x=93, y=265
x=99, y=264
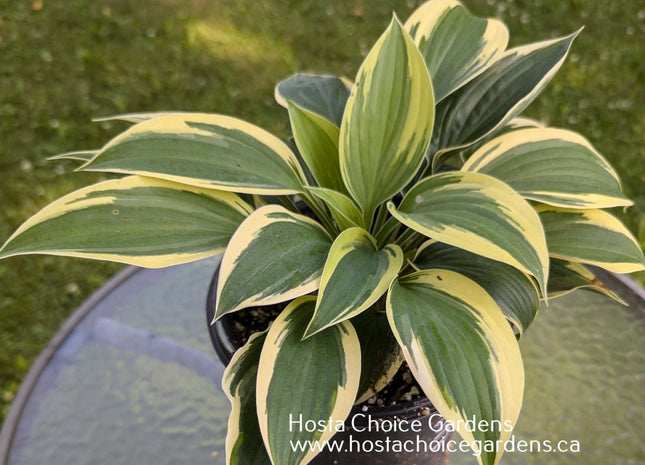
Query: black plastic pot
x=406, y=433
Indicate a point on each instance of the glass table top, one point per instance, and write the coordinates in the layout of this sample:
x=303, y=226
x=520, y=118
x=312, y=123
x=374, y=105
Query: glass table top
x=133, y=379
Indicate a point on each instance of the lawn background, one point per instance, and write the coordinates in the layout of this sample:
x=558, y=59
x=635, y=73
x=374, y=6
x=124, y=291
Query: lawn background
x=63, y=62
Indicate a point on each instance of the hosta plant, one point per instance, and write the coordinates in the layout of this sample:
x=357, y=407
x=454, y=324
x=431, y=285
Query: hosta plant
x=433, y=204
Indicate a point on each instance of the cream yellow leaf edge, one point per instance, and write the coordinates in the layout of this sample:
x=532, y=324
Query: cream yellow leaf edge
x=604, y=220
x=81, y=199
x=594, y=284
x=519, y=52
x=280, y=100
x=228, y=378
x=345, y=211
x=177, y=123
x=347, y=242
x=329, y=133
x=505, y=356
x=512, y=318
x=498, y=147
x=344, y=399
x=426, y=18
x=414, y=133
x=328, y=128
x=243, y=239
x=511, y=204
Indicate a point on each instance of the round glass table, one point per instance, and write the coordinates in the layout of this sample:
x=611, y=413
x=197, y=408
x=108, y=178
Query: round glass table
x=132, y=379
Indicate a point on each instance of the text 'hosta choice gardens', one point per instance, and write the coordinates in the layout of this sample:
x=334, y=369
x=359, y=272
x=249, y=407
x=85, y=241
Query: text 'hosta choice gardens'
x=438, y=220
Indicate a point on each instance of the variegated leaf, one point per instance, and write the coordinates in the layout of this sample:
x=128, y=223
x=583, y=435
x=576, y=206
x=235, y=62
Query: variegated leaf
x=456, y=340
x=325, y=96
x=79, y=155
x=566, y=277
x=275, y=255
x=244, y=444
x=343, y=208
x=135, y=220
x=594, y=237
x=135, y=117
x=516, y=124
x=381, y=356
x=317, y=141
x=355, y=276
x=204, y=150
x=513, y=291
x=387, y=122
x=326, y=385
x=480, y=214
x=496, y=96
x=456, y=45
x=552, y=166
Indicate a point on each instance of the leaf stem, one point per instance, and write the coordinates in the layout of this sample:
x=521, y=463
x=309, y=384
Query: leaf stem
x=380, y=220
x=406, y=237
x=319, y=209
x=287, y=202
x=387, y=232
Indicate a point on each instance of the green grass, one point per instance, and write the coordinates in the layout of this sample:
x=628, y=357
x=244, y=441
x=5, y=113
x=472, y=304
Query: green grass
x=67, y=62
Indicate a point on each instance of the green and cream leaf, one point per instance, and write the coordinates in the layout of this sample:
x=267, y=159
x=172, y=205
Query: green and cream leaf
x=342, y=207
x=552, y=166
x=355, y=276
x=499, y=94
x=211, y=151
x=594, y=237
x=134, y=117
x=456, y=45
x=464, y=153
x=244, y=444
x=317, y=141
x=326, y=96
x=387, y=122
x=480, y=214
x=513, y=291
x=136, y=220
x=79, y=155
x=326, y=386
x=456, y=340
x=274, y=256
x=566, y=277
